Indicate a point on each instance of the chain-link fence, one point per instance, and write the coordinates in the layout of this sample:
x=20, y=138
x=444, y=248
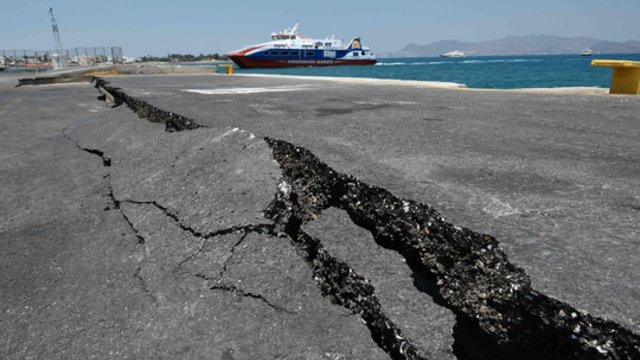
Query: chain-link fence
x=35, y=60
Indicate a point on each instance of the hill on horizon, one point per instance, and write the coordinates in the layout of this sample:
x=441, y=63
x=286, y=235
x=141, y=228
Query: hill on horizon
x=523, y=45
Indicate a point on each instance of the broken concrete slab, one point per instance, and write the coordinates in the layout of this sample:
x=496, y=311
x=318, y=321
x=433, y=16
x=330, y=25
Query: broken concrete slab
x=212, y=178
x=404, y=295
x=269, y=266
x=250, y=291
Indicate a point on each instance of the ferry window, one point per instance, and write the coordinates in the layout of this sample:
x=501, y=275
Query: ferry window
x=266, y=53
x=293, y=37
x=355, y=54
x=310, y=53
x=327, y=44
x=295, y=53
x=275, y=53
x=284, y=53
x=318, y=44
x=362, y=53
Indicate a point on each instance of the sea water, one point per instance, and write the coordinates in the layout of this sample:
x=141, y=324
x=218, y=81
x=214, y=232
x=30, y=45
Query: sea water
x=492, y=72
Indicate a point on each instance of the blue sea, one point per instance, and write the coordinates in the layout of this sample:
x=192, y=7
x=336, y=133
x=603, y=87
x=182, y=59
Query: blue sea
x=489, y=72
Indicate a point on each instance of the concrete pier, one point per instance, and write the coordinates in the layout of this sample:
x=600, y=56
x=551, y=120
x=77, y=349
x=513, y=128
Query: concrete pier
x=122, y=240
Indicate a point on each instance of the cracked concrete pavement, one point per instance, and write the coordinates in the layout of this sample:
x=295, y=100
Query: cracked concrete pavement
x=427, y=323
x=122, y=240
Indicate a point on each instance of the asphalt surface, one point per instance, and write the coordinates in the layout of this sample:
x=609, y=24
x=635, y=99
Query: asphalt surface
x=134, y=260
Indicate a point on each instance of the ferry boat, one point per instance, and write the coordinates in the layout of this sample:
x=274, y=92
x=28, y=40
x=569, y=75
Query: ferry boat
x=586, y=52
x=287, y=48
x=453, y=54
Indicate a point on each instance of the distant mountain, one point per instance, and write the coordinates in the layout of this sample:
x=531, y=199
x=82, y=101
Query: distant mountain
x=523, y=45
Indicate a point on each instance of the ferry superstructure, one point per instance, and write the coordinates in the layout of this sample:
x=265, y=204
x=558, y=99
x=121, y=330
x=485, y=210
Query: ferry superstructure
x=586, y=52
x=453, y=54
x=288, y=48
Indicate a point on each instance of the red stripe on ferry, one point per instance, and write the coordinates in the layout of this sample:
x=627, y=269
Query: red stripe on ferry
x=245, y=51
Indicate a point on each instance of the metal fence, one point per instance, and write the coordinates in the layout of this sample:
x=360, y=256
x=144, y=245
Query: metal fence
x=36, y=60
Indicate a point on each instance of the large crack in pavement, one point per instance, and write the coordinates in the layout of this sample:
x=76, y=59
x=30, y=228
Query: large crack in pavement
x=338, y=281
x=115, y=97
x=499, y=314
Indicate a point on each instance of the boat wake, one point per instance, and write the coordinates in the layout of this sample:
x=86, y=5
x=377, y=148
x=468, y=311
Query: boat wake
x=412, y=64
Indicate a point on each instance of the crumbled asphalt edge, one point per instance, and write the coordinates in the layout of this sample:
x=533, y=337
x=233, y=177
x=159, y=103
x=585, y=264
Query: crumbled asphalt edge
x=144, y=110
x=59, y=79
x=470, y=273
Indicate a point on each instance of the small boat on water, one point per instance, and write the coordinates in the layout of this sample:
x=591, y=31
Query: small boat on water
x=586, y=52
x=289, y=49
x=453, y=54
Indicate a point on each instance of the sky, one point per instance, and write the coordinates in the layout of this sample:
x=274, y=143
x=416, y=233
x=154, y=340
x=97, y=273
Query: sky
x=159, y=27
